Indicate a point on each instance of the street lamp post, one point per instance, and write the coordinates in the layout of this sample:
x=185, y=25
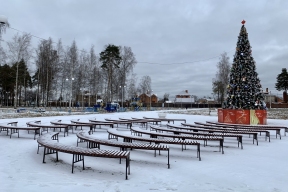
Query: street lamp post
x=89, y=98
x=71, y=80
x=7, y=95
x=270, y=99
x=3, y=25
x=191, y=101
x=122, y=90
x=150, y=97
x=82, y=93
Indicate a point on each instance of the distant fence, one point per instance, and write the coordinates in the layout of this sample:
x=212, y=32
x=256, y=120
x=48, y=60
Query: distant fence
x=277, y=105
x=184, y=105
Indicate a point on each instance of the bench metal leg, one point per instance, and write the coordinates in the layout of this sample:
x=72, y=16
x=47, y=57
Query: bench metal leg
x=168, y=160
x=12, y=131
x=37, y=132
x=240, y=141
x=221, y=146
x=278, y=132
x=44, y=155
x=48, y=151
x=198, y=152
x=76, y=158
x=255, y=138
x=267, y=135
x=38, y=148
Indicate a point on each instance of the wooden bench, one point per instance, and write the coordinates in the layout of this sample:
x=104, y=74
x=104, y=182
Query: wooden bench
x=154, y=121
x=13, y=123
x=142, y=122
x=114, y=134
x=92, y=142
x=177, y=130
x=183, y=137
x=253, y=127
x=72, y=125
x=46, y=127
x=15, y=129
x=166, y=119
x=53, y=147
x=162, y=119
x=196, y=128
x=120, y=122
x=94, y=123
x=267, y=133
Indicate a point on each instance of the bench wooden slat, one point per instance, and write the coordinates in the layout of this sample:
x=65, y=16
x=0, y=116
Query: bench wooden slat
x=84, y=135
x=115, y=134
x=46, y=141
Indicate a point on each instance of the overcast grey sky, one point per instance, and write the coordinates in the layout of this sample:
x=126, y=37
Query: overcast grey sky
x=165, y=32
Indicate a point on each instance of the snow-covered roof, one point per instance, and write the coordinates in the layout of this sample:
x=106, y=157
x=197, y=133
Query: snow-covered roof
x=185, y=92
x=184, y=100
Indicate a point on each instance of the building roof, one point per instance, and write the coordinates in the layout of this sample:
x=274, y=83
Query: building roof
x=185, y=92
x=184, y=100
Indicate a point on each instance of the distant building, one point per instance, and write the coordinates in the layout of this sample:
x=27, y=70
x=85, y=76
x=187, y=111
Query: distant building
x=145, y=98
x=206, y=101
x=184, y=98
x=268, y=97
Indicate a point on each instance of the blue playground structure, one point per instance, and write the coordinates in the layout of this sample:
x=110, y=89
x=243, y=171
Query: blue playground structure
x=135, y=103
x=112, y=107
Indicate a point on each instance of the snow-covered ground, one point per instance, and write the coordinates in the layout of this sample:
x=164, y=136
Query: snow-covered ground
x=255, y=168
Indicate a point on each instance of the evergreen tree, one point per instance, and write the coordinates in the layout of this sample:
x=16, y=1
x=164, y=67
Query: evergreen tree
x=111, y=60
x=282, y=81
x=7, y=78
x=244, y=90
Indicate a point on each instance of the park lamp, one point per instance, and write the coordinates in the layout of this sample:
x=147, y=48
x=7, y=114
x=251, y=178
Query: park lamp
x=4, y=21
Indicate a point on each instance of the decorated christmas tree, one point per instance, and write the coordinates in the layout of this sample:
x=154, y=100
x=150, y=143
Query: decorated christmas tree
x=244, y=90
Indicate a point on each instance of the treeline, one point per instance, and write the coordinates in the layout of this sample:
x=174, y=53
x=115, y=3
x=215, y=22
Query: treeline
x=54, y=72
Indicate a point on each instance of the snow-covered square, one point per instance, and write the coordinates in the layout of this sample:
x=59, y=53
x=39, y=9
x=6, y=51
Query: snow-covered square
x=253, y=168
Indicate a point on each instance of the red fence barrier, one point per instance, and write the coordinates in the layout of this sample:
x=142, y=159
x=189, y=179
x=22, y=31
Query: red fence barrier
x=239, y=116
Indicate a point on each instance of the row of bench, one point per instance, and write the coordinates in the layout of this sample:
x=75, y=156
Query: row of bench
x=12, y=128
x=179, y=131
x=114, y=134
x=184, y=138
x=51, y=146
x=254, y=127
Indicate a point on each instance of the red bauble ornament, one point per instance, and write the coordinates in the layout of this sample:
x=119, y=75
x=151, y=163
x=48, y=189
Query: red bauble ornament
x=243, y=22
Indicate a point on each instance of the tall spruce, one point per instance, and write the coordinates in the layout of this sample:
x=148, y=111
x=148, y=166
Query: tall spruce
x=110, y=59
x=244, y=90
x=282, y=81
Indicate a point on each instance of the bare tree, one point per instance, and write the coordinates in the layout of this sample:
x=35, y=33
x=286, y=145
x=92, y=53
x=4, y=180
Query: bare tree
x=127, y=63
x=47, y=69
x=72, y=56
x=3, y=25
x=3, y=56
x=92, y=68
x=166, y=97
x=220, y=82
x=131, y=86
x=145, y=84
x=19, y=48
x=59, y=77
